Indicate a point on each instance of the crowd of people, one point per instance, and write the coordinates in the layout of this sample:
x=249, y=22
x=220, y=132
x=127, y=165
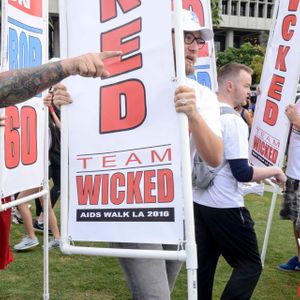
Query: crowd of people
x=219, y=126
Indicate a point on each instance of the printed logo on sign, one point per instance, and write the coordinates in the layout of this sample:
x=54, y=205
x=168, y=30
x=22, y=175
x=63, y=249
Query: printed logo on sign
x=32, y=7
x=265, y=147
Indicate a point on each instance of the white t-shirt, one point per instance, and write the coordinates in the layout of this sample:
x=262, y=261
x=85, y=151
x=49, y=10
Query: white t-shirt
x=293, y=163
x=208, y=107
x=225, y=192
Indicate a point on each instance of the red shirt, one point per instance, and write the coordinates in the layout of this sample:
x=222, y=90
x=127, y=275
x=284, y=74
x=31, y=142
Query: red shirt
x=5, y=221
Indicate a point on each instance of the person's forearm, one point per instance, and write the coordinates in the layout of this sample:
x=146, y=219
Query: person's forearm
x=296, y=123
x=261, y=173
x=19, y=85
x=208, y=144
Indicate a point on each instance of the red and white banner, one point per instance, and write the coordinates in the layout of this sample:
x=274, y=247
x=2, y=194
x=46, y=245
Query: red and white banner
x=124, y=148
x=24, y=44
x=205, y=68
x=278, y=87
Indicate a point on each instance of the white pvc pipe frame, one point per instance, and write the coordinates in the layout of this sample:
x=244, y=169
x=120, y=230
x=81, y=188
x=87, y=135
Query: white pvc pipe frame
x=269, y=222
x=190, y=253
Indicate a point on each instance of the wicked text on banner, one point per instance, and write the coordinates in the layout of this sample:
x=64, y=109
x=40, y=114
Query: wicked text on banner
x=124, y=147
x=278, y=88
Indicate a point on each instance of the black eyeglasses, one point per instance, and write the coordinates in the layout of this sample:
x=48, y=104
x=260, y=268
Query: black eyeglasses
x=189, y=38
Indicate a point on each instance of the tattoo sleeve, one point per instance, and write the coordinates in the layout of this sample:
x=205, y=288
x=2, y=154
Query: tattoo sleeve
x=19, y=85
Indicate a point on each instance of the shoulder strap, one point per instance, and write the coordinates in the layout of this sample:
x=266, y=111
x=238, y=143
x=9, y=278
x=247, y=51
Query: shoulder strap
x=224, y=110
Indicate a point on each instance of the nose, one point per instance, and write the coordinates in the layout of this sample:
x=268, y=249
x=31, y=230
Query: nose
x=193, y=46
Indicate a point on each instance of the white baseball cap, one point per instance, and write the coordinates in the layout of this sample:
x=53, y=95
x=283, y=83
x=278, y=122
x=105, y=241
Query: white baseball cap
x=190, y=22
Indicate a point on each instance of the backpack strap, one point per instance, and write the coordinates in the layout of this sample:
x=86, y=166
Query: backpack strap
x=224, y=110
x=202, y=177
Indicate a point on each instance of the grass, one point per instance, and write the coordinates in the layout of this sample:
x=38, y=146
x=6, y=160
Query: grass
x=83, y=277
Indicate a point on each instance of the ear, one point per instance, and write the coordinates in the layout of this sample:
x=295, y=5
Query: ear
x=229, y=85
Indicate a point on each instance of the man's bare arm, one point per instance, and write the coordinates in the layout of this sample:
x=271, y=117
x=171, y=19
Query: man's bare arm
x=208, y=144
x=19, y=85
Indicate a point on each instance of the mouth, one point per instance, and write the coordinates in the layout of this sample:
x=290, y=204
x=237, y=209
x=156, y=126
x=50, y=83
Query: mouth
x=190, y=60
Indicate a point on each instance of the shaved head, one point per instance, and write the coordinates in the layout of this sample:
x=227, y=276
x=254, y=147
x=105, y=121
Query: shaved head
x=231, y=72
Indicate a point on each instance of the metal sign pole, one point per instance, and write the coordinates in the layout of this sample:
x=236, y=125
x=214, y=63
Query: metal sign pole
x=191, y=248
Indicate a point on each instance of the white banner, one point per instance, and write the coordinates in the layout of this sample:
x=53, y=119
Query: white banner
x=278, y=88
x=205, y=68
x=24, y=44
x=124, y=149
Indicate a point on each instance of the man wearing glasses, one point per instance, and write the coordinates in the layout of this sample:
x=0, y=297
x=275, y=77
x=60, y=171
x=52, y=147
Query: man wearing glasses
x=155, y=279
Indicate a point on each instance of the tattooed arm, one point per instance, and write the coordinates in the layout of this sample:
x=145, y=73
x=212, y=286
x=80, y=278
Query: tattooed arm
x=19, y=85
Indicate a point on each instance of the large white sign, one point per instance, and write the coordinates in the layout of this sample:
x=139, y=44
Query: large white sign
x=278, y=88
x=24, y=44
x=124, y=148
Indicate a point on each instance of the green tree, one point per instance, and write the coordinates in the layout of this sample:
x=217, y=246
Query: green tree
x=248, y=54
x=215, y=13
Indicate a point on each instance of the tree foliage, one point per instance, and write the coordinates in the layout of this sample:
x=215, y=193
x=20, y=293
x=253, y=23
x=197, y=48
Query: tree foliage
x=215, y=13
x=248, y=54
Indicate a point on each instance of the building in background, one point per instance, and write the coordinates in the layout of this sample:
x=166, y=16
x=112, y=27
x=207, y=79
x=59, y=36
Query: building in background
x=243, y=21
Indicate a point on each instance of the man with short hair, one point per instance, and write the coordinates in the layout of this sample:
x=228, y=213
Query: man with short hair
x=152, y=278
x=223, y=224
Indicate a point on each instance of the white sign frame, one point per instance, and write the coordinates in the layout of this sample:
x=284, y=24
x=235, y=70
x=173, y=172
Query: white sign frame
x=189, y=254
